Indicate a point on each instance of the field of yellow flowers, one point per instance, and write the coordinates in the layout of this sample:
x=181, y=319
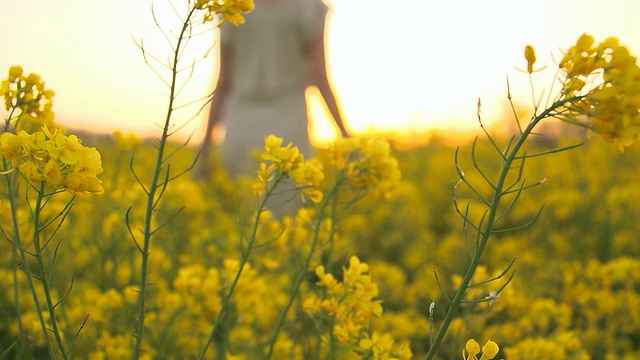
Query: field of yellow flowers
x=575, y=295
x=528, y=242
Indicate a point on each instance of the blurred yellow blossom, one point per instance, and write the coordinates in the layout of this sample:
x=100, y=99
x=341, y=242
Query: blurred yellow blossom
x=367, y=163
x=328, y=281
x=127, y=141
x=351, y=304
x=287, y=162
x=27, y=100
x=381, y=347
x=229, y=10
x=283, y=157
x=612, y=102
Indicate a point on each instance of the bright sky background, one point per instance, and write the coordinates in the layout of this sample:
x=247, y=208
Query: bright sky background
x=405, y=66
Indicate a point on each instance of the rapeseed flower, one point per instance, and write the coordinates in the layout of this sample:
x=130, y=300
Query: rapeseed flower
x=287, y=162
x=352, y=304
x=54, y=158
x=489, y=350
x=381, y=347
x=27, y=99
x=367, y=163
x=611, y=102
x=229, y=10
x=472, y=349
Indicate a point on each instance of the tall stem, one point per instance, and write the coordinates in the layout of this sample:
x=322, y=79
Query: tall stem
x=18, y=250
x=301, y=273
x=44, y=273
x=488, y=228
x=151, y=195
x=243, y=261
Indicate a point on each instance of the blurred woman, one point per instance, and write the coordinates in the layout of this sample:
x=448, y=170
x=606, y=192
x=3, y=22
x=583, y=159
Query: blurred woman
x=265, y=66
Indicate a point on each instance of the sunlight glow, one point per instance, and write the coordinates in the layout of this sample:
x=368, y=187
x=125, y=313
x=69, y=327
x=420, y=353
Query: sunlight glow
x=401, y=75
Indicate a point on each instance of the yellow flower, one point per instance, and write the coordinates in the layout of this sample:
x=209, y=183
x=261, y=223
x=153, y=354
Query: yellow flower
x=288, y=162
x=51, y=173
x=31, y=171
x=258, y=189
x=355, y=270
x=311, y=305
x=612, y=102
x=244, y=5
x=199, y=4
x=314, y=195
x=347, y=331
x=272, y=142
x=584, y=43
x=55, y=159
x=229, y=10
x=382, y=347
x=307, y=173
x=473, y=348
x=327, y=280
x=15, y=72
x=283, y=157
x=233, y=17
x=27, y=96
x=489, y=350
x=11, y=146
x=367, y=163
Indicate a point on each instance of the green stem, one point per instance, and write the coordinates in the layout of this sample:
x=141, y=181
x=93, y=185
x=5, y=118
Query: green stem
x=17, y=245
x=329, y=253
x=301, y=274
x=151, y=195
x=7, y=122
x=489, y=225
x=44, y=277
x=243, y=261
x=14, y=252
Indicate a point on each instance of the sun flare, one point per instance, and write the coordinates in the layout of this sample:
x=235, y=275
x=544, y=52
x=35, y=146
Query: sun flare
x=403, y=76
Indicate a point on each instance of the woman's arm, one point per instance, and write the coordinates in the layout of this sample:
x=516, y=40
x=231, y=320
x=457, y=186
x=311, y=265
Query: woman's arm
x=317, y=68
x=222, y=89
x=215, y=112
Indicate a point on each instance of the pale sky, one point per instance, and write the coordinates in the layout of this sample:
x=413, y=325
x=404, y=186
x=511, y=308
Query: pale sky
x=417, y=65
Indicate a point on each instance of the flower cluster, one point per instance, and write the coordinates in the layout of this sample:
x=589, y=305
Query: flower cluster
x=53, y=158
x=606, y=79
x=367, y=163
x=230, y=10
x=381, y=347
x=199, y=292
x=27, y=100
x=288, y=162
x=582, y=313
x=561, y=346
x=351, y=304
x=472, y=348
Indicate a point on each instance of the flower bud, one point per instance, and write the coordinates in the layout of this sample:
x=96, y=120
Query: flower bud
x=530, y=55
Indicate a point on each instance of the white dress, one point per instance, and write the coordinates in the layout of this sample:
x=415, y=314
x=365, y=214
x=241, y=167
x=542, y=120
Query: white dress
x=266, y=89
